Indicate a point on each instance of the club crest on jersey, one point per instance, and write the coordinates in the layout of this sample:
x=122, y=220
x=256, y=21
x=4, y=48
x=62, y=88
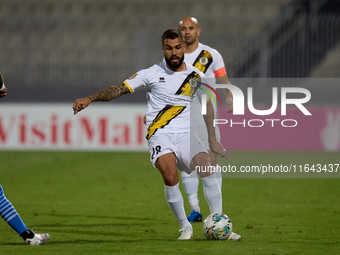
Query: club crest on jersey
x=203, y=60
x=189, y=85
x=133, y=76
x=193, y=83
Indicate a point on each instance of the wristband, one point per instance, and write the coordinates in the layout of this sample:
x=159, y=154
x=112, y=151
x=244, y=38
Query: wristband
x=3, y=86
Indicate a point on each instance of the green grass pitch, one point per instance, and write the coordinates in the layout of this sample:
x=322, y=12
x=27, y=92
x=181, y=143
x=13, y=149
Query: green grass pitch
x=113, y=203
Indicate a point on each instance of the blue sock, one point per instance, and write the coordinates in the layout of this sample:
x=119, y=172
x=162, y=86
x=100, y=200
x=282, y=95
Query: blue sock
x=10, y=215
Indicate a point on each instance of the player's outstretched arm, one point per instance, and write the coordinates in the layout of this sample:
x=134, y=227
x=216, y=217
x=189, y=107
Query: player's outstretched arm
x=3, y=89
x=215, y=146
x=103, y=95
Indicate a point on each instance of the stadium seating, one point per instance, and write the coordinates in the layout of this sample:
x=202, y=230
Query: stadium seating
x=76, y=43
x=330, y=65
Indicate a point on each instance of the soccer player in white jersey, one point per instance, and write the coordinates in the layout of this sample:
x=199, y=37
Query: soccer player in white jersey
x=170, y=95
x=210, y=62
x=8, y=212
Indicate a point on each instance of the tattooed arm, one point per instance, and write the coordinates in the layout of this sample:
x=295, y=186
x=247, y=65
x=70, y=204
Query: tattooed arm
x=104, y=95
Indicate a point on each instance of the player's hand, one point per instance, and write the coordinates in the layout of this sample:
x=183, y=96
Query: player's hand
x=229, y=101
x=3, y=92
x=218, y=148
x=1, y=80
x=80, y=104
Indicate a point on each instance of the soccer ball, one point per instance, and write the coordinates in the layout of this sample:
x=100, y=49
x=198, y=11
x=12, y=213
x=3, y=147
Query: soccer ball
x=217, y=226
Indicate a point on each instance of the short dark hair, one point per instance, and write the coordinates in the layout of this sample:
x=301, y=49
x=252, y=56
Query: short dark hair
x=172, y=33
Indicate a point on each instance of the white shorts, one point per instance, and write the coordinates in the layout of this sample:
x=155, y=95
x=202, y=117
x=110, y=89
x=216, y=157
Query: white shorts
x=184, y=145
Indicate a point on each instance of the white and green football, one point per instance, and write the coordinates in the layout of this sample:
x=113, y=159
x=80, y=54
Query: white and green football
x=217, y=226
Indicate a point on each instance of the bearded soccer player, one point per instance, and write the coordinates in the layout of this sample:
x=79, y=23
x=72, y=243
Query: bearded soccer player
x=8, y=212
x=210, y=62
x=170, y=95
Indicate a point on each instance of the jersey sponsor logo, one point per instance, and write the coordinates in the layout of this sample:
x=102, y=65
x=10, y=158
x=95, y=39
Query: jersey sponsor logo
x=163, y=118
x=203, y=61
x=189, y=85
x=133, y=76
x=161, y=79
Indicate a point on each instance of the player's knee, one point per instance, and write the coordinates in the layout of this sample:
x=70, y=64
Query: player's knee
x=203, y=166
x=201, y=160
x=204, y=174
x=170, y=179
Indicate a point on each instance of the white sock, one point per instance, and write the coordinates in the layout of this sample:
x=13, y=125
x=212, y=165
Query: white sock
x=175, y=201
x=190, y=184
x=212, y=193
x=218, y=176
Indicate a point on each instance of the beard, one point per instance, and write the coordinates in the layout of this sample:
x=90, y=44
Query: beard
x=174, y=66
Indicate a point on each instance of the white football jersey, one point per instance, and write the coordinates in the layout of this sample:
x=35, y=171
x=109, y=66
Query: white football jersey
x=170, y=95
x=208, y=60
